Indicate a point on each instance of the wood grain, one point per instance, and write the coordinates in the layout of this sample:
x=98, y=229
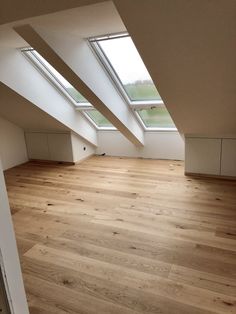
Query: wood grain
x=123, y=235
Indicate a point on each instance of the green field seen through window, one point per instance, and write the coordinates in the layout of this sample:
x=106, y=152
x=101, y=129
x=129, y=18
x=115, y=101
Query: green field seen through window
x=157, y=117
x=142, y=91
x=75, y=94
x=98, y=118
x=136, y=92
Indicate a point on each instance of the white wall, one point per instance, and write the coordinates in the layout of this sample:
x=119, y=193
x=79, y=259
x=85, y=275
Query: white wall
x=158, y=145
x=23, y=113
x=81, y=149
x=12, y=144
x=9, y=254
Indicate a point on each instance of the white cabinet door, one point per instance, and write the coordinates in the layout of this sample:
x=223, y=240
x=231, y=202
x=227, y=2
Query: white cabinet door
x=60, y=147
x=202, y=155
x=49, y=146
x=37, y=146
x=228, y=159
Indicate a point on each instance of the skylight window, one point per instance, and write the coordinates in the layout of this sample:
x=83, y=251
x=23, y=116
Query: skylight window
x=124, y=65
x=49, y=70
x=127, y=66
x=63, y=85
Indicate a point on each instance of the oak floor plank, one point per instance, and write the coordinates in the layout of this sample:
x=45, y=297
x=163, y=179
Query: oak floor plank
x=223, y=285
x=124, y=235
x=68, y=299
x=148, y=283
x=108, y=290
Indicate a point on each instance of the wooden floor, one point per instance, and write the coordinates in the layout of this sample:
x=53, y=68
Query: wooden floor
x=124, y=236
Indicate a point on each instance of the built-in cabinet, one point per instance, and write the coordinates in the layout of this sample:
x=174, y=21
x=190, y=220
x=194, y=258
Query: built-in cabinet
x=214, y=156
x=49, y=146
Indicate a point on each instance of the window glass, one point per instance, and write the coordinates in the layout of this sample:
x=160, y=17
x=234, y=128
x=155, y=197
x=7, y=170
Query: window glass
x=60, y=79
x=129, y=68
x=98, y=118
x=156, y=117
x=43, y=64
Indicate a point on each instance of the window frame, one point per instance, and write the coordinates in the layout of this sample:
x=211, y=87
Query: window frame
x=28, y=53
x=99, y=128
x=112, y=74
x=151, y=129
x=94, y=43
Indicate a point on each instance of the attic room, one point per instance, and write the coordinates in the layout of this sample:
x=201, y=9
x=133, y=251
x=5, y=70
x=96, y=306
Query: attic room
x=118, y=157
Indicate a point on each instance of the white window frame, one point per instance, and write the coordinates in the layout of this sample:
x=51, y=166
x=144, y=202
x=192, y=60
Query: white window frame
x=42, y=68
x=151, y=129
x=99, y=128
x=134, y=105
x=29, y=53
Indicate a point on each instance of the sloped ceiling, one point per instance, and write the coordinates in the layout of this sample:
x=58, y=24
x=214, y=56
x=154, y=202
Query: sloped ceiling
x=23, y=113
x=189, y=48
x=13, y=10
x=64, y=33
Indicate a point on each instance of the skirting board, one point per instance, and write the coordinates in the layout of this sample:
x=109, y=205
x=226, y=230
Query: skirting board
x=69, y=163
x=57, y=162
x=83, y=159
x=212, y=176
x=134, y=157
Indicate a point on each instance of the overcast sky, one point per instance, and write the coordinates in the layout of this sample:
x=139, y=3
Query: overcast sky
x=125, y=59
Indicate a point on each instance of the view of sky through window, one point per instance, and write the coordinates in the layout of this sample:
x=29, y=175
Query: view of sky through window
x=129, y=67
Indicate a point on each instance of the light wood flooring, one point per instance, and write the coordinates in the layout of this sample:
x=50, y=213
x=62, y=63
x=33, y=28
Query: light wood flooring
x=127, y=236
